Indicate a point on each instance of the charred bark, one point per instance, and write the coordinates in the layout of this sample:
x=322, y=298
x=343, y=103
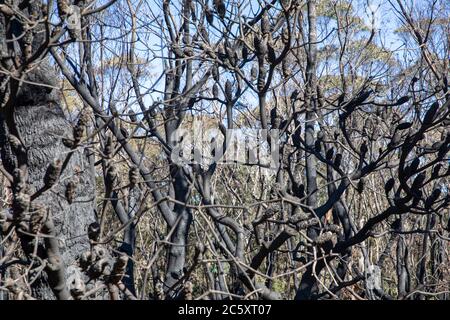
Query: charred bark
x=36, y=118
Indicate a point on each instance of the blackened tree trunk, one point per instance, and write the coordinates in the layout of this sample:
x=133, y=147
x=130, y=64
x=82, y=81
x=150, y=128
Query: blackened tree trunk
x=308, y=281
x=37, y=119
x=32, y=128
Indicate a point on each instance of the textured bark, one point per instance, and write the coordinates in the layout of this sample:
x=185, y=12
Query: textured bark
x=177, y=251
x=39, y=122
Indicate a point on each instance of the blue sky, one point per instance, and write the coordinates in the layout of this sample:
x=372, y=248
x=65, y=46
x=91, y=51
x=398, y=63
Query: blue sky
x=384, y=17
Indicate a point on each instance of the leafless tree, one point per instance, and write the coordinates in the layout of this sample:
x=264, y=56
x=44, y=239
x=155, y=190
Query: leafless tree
x=120, y=129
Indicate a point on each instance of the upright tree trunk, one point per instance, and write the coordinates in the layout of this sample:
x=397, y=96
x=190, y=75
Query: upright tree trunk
x=308, y=280
x=177, y=251
x=31, y=112
x=41, y=127
x=35, y=117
